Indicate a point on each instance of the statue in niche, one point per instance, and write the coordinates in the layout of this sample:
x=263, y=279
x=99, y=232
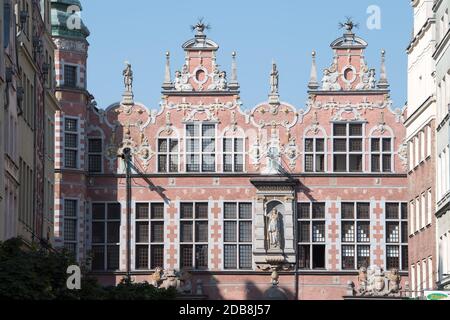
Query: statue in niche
x=329, y=81
x=128, y=77
x=274, y=229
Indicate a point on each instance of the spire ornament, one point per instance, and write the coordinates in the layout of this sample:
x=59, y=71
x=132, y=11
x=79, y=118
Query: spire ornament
x=167, y=85
x=383, y=83
x=313, y=83
x=274, y=97
x=233, y=85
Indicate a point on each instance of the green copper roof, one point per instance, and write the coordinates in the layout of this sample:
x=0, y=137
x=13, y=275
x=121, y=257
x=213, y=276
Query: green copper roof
x=61, y=15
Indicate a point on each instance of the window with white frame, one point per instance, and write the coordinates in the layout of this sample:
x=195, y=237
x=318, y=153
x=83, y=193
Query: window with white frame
x=355, y=235
x=381, y=154
x=233, y=155
x=105, y=236
x=423, y=208
x=413, y=280
x=412, y=217
x=422, y=145
x=348, y=147
x=396, y=236
x=417, y=214
x=315, y=155
x=411, y=155
x=311, y=236
x=95, y=155
x=237, y=236
x=429, y=142
x=70, y=226
x=200, y=148
x=416, y=151
x=71, y=143
x=168, y=155
x=194, y=236
x=430, y=273
x=430, y=207
x=149, y=236
x=70, y=76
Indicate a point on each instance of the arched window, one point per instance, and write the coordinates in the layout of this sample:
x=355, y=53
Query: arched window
x=381, y=150
x=233, y=149
x=168, y=149
x=315, y=150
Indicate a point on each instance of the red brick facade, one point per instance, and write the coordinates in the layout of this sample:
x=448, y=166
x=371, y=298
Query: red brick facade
x=344, y=149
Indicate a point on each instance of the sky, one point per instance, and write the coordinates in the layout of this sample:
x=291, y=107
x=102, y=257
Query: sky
x=141, y=31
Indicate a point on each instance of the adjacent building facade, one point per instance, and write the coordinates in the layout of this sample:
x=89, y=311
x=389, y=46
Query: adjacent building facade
x=421, y=136
x=441, y=57
x=26, y=209
x=231, y=194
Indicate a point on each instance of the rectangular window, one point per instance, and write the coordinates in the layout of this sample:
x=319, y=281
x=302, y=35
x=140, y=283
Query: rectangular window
x=105, y=236
x=355, y=235
x=238, y=236
x=194, y=235
x=95, y=150
x=70, y=76
x=311, y=235
x=348, y=147
x=233, y=155
x=396, y=236
x=71, y=143
x=149, y=236
x=200, y=148
x=381, y=154
x=168, y=155
x=70, y=226
x=315, y=155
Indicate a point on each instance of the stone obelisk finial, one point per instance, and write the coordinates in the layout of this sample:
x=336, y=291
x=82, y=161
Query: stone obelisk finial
x=313, y=83
x=167, y=85
x=383, y=83
x=234, y=84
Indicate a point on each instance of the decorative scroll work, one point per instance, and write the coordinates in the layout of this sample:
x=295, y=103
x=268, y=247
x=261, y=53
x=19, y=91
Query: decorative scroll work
x=374, y=281
x=363, y=105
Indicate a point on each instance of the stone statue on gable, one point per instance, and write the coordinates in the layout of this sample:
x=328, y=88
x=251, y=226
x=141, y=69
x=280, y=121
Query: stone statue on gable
x=368, y=81
x=128, y=77
x=274, y=79
x=330, y=81
x=182, y=80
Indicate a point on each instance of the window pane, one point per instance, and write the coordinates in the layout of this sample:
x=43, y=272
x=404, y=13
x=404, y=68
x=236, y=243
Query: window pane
x=245, y=211
x=355, y=145
x=340, y=130
x=193, y=163
x=209, y=163
x=209, y=130
x=376, y=164
x=318, y=257
x=303, y=210
x=70, y=230
x=70, y=208
x=230, y=257
x=404, y=265
x=192, y=130
x=157, y=234
x=209, y=145
x=193, y=145
x=340, y=163
x=318, y=210
x=363, y=232
x=95, y=163
x=319, y=231
x=173, y=145
x=187, y=255
x=363, y=256
x=71, y=140
x=392, y=211
x=157, y=260
x=356, y=130
x=387, y=145
x=320, y=145
x=230, y=234
x=186, y=232
x=387, y=167
x=363, y=210
x=348, y=257
x=355, y=163
x=201, y=211
x=70, y=76
x=142, y=211
x=201, y=231
x=162, y=163
x=201, y=256
x=142, y=257
x=98, y=211
x=348, y=211
x=392, y=232
x=348, y=232
x=113, y=232
x=304, y=230
x=404, y=232
x=71, y=125
x=162, y=145
x=230, y=210
x=404, y=211
x=320, y=163
x=173, y=163
x=227, y=145
x=113, y=257
x=95, y=145
x=309, y=145
x=142, y=232
x=245, y=231
x=238, y=163
x=239, y=145
x=70, y=158
x=340, y=145
x=98, y=258
x=375, y=145
x=114, y=211
x=304, y=257
x=309, y=163
x=98, y=232
x=228, y=163
x=187, y=211
x=245, y=257
x=392, y=257
x=157, y=210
